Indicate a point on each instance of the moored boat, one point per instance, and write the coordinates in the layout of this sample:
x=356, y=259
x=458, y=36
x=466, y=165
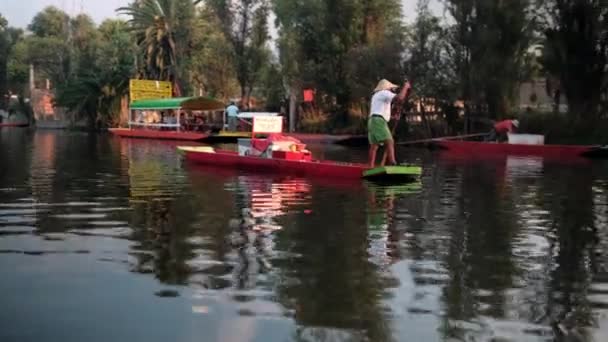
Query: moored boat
x=14, y=124
x=173, y=119
x=146, y=122
x=492, y=148
x=158, y=134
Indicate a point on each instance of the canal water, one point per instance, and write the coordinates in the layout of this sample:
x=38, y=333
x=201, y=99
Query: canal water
x=103, y=239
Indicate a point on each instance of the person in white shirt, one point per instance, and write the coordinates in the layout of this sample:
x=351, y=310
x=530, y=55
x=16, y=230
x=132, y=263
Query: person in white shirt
x=380, y=114
x=232, y=113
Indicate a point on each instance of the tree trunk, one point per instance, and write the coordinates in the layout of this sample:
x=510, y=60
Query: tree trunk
x=246, y=97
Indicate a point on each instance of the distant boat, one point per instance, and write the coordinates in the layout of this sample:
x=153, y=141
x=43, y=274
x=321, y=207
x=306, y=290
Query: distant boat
x=173, y=129
x=492, y=148
x=14, y=124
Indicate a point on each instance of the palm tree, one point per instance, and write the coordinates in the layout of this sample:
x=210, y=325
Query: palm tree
x=157, y=25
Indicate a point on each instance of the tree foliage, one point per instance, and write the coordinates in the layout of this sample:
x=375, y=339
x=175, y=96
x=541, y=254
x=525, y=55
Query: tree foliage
x=212, y=68
x=162, y=30
x=342, y=56
x=95, y=92
x=490, y=40
x=576, y=52
x=245, y=25
x=429, y=65
x=50, y=22
x=9, y=38
x=339, y=48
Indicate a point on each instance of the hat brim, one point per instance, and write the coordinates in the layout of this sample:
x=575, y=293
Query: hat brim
x=388, y=87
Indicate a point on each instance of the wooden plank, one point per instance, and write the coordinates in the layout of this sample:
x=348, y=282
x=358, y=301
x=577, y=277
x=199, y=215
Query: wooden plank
x=456, y=137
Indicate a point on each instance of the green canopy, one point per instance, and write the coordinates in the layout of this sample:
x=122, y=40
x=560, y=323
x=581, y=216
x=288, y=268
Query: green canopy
x=187, y=103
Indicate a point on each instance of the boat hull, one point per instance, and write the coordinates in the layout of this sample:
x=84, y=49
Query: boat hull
x=14, y=124
x=323, y=169
x=298, y=168
x=490, y=148
x=153, y=134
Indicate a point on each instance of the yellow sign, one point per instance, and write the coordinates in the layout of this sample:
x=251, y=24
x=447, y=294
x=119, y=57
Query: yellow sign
x=147, y=89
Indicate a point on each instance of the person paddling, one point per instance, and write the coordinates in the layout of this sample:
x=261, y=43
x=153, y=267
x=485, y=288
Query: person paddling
x=502, y=128
x=380, y=114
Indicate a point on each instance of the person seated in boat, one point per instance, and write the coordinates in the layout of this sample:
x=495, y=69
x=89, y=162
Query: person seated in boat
x=380, y=114
x=139, y=117
x=501, y=130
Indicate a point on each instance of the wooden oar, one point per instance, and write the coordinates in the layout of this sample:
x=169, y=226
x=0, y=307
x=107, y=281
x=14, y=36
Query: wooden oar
x=465, y=136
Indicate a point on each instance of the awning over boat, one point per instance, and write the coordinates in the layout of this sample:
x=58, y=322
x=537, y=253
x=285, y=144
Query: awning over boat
x=186, y=103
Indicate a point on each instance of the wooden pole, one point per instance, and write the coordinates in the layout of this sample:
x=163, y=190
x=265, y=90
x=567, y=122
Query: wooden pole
x=422, y=141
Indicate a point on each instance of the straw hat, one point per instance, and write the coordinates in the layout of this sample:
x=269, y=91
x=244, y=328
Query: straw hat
x=385, y=85
x=516, y=123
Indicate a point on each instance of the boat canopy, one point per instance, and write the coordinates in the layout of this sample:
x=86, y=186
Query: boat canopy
x=186, y=103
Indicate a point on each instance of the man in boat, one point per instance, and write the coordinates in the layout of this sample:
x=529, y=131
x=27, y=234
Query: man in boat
x=232, y=111
x=380, y=114
x=502, y=128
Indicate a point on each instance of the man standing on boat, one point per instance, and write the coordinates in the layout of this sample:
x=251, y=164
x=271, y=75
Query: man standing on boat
x=232, y=112
x=380, y=114
x=502, y=128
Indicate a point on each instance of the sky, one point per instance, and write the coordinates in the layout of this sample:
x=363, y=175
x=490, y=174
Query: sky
x=19, y=13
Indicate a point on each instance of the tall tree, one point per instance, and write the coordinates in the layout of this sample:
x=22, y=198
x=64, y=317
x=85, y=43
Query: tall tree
x=83, y=42
x=429, y=65
x=4, y=56
x=211, y=73
x=576, y=51
x=340, y=55
x=17, y=67
x=245, y=25
x=50, y=22
x=95, y=92
x=490, y=39
x=49, y=49
x=162, y=31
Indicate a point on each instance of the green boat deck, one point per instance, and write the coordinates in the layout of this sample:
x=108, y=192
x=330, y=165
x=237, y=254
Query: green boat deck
x=393, y=173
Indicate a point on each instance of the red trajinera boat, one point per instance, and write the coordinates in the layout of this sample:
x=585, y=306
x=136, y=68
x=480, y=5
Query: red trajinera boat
x=557, y=151
x=158, y=134
x=287, y=155
x=14, y=124
x=169, y=126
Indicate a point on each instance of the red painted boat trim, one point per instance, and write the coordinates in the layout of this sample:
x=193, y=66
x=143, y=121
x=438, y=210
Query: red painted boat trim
x=327, y=169
x=472, y=147
x=153, y=134
x=14, y=124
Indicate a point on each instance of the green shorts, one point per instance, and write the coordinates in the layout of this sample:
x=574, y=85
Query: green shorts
x=377, y=130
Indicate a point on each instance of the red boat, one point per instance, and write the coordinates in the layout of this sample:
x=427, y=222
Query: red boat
x=206, y=155
x=158, y=134
x=296, y=163
x=288, y=155
x=160, y=118
x=492, y=148
x=14, y=124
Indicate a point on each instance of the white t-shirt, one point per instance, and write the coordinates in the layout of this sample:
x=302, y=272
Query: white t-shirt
x=381, y=104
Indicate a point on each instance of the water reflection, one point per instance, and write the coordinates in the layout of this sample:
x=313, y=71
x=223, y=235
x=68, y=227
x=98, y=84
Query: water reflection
x=509, y=249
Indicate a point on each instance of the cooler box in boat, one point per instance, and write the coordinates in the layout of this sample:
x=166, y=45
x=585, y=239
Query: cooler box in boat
x=289, y=155
x=526, y=139
x=275, y=147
